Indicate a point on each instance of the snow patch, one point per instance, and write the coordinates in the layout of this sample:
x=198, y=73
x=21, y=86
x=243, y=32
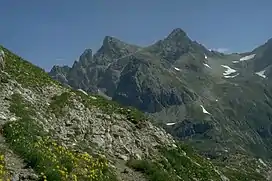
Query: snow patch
x=204, y=110
x=262, y=162
x=235, y=61
x=207, y=65
x=261, y=74
x=228, y=71
x=205, y=56
x=248, y=57
x=231, y=76
x=177, y=69
x=170, y=124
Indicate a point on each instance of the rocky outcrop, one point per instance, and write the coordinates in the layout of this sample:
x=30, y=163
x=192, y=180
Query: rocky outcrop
x=2, y=61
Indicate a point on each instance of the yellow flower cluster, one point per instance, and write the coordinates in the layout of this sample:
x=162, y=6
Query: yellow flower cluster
x=48, y=157
x=3, y=173
x=68, y=164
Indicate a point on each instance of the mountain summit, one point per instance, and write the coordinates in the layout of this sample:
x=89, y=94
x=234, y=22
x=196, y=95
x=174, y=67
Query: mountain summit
x=178, y=32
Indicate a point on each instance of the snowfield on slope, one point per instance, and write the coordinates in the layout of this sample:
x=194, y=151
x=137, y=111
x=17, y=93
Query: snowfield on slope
x=170, y=124
x=229, y=70
x=231, y=76
x=207, y=65
x=204, y=110
x=177, y=69
x=245, y=58
x=248, y=57
x=261, y=74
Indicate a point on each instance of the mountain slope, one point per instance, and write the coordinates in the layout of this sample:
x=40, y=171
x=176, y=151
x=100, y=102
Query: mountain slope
x=221, y=104
x=51, y=132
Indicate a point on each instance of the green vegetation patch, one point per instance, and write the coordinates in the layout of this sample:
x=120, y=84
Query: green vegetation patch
x=45, y=155
x=153, y=170
x=24, y=72
x=176, y=165
x=235, y=175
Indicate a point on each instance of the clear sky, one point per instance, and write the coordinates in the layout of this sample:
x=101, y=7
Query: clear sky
x=48, y=32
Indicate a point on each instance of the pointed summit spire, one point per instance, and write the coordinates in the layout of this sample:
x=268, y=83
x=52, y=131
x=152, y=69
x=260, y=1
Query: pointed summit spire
x=177, y=32
x=85, y=58
x=109, y=40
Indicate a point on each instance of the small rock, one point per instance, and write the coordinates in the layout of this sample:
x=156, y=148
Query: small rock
x=123, y=157
x=13, y=119
x=68, y=123
x=125, y=171
x=98, y=140
x=15, y=178
x=106, y=116
x=138, y=156
x=2, y=116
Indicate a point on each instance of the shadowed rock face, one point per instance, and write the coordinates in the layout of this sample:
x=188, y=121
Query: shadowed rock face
x=172, y=78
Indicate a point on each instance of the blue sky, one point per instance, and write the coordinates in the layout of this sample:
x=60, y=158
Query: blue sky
x=57, y=31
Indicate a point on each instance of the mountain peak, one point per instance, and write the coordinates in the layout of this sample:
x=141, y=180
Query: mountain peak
x=177, y=32
x=108, y=40
x=88, y=51
x=85, y=58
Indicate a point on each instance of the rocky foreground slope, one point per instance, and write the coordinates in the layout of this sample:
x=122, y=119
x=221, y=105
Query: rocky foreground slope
x=51, y=132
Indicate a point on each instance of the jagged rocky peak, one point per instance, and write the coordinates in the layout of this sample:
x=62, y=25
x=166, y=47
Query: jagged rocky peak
x=110, y=43
x=86, y=57
x=57, y=68
x=177, y=32
x=112, y=49
x=109, y=40
x=176, y=44
x=88, y=52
